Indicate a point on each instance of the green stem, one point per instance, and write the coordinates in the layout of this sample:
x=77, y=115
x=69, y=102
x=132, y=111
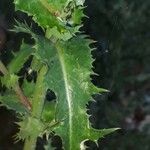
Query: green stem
x=37, y=108
x=3, y=68
x=30, y=144
x=39, y=93
x=23, y=99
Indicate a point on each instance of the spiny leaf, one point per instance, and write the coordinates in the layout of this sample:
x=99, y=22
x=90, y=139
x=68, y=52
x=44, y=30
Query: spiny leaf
x=29, y=127
x=33, y=7
x=77, y=15
x=54, y=33
x=54, y=15
x=69, y=77
x=21, y=27
x=9, y=80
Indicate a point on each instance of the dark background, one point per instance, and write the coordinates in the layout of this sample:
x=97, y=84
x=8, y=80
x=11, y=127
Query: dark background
x=122, y=31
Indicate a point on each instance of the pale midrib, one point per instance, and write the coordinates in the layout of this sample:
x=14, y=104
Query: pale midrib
x=48, y=7
x=68, y=96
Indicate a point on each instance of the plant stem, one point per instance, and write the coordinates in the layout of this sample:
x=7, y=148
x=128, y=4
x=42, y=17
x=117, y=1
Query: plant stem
x=23, y=99
x=37, y=107
x=3, y=69
x=30, y=144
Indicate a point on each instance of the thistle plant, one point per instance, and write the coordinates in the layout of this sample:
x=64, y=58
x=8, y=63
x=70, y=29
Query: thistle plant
x=62, y=61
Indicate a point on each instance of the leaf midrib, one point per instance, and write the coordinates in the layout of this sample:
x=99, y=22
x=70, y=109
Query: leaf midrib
x=68, y=95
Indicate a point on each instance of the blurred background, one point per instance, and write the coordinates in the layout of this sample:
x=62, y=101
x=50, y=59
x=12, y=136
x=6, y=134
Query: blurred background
x=122, y=31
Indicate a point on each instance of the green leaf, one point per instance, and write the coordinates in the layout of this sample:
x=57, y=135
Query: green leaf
x=10, y=100
x=54, y=33
x=68, y=76
x=77, y=15
x=54, y=15
x=20, y=58
x=41, y=13
x=56, y=5
x=29, y=127
x=48, y=113
x=9, y=80
x=28, y=88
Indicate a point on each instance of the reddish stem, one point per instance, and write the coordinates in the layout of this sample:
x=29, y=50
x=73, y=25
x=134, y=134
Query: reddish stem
x=23, y=99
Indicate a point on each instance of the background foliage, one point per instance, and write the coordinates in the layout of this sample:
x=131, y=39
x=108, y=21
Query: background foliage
x=122, y=61
x=121, y=28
